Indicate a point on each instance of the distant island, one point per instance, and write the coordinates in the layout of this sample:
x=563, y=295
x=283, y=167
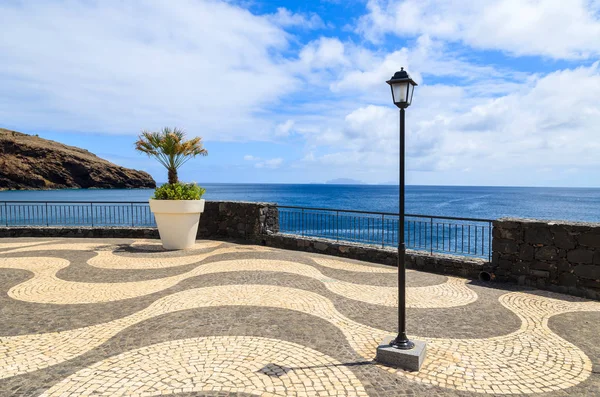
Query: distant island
x=28, y=162
x=344, y=181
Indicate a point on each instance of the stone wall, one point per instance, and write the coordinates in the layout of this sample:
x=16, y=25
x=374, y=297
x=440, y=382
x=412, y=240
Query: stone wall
x=220, y=220
x=434, y=263
x=238, y=220
x=87, y=232
x=558, y=256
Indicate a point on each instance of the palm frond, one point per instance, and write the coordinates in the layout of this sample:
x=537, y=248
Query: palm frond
x=169, y=147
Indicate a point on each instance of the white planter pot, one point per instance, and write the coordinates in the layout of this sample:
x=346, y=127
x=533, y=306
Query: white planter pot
x=177, y=221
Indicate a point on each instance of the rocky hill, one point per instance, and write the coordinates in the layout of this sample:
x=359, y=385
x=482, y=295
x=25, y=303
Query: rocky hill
x=30, y=162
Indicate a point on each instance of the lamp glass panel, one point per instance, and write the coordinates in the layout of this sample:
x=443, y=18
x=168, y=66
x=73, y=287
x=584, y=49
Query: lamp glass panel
x=399, y=91
x=411, y=90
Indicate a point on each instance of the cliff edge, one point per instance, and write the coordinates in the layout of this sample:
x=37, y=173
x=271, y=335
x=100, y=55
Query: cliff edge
x=29, y=162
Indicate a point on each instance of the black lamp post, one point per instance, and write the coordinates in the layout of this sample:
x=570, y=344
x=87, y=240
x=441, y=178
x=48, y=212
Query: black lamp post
x=402, y=92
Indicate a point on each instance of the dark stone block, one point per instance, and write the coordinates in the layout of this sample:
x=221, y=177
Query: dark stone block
x=505, y=264
x=540, y=273
x=546, y=254
x=587, y=283
x=563, y=289
x=508, y=234
x=563, y=265
x=506, y=224
x=562, y=238
x=580, y=255
x=520, y=268
x=526, y=252
x=321, y=246
x=589, y=239
x=541, y=283
x=496, y=232
x=504, y=246
x=575, y=291
x=596, y=258
x=591, y=272
x=538, y=235
x=495, y=255
x=567, y=279
x=541, y=266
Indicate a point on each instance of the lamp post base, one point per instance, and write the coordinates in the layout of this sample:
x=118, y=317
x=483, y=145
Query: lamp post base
x=410, y=359
x=404, y=344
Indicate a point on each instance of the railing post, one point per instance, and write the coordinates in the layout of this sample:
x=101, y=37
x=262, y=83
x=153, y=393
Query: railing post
x=92, y=213
x=382, y=231
x=132, y=224
x=302, y=222
x=337, y=226
x=6, y=212
x=431, y=235
x=47, y=216
x=489, y=241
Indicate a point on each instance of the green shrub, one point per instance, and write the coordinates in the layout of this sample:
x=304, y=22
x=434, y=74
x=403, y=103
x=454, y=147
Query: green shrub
x=178, y=191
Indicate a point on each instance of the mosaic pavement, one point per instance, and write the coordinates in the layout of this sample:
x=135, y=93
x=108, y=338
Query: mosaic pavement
x=124, y=317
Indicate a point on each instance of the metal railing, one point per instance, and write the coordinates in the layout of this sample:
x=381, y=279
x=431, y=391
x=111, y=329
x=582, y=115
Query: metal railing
x=76, y=213
x=451, y=235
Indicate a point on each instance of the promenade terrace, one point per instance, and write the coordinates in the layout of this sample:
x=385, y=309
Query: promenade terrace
x=124, y=317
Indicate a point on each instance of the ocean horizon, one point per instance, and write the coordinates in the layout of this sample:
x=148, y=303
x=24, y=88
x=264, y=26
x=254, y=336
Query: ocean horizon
x=489, y=202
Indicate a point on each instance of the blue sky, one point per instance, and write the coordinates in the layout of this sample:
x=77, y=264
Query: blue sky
x=294, y=91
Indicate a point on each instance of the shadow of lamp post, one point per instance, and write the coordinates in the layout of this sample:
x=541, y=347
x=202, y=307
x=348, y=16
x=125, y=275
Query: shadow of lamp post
x=401, y=351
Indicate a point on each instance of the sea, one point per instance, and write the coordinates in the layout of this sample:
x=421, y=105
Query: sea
x=575, y=204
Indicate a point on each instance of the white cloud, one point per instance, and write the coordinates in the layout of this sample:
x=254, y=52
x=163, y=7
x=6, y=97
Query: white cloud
x=426, y=58
x=271, y=163
x=552, y=28
x=285, y=18
x=284, y=129
x=118, y=67
x=552, y=121
x=375, y=74
x=226, y=74
x=260, y=163
x=549, y=123
x=325, y=52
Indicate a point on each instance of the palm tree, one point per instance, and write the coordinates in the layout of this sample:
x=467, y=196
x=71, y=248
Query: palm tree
x=169, y=148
